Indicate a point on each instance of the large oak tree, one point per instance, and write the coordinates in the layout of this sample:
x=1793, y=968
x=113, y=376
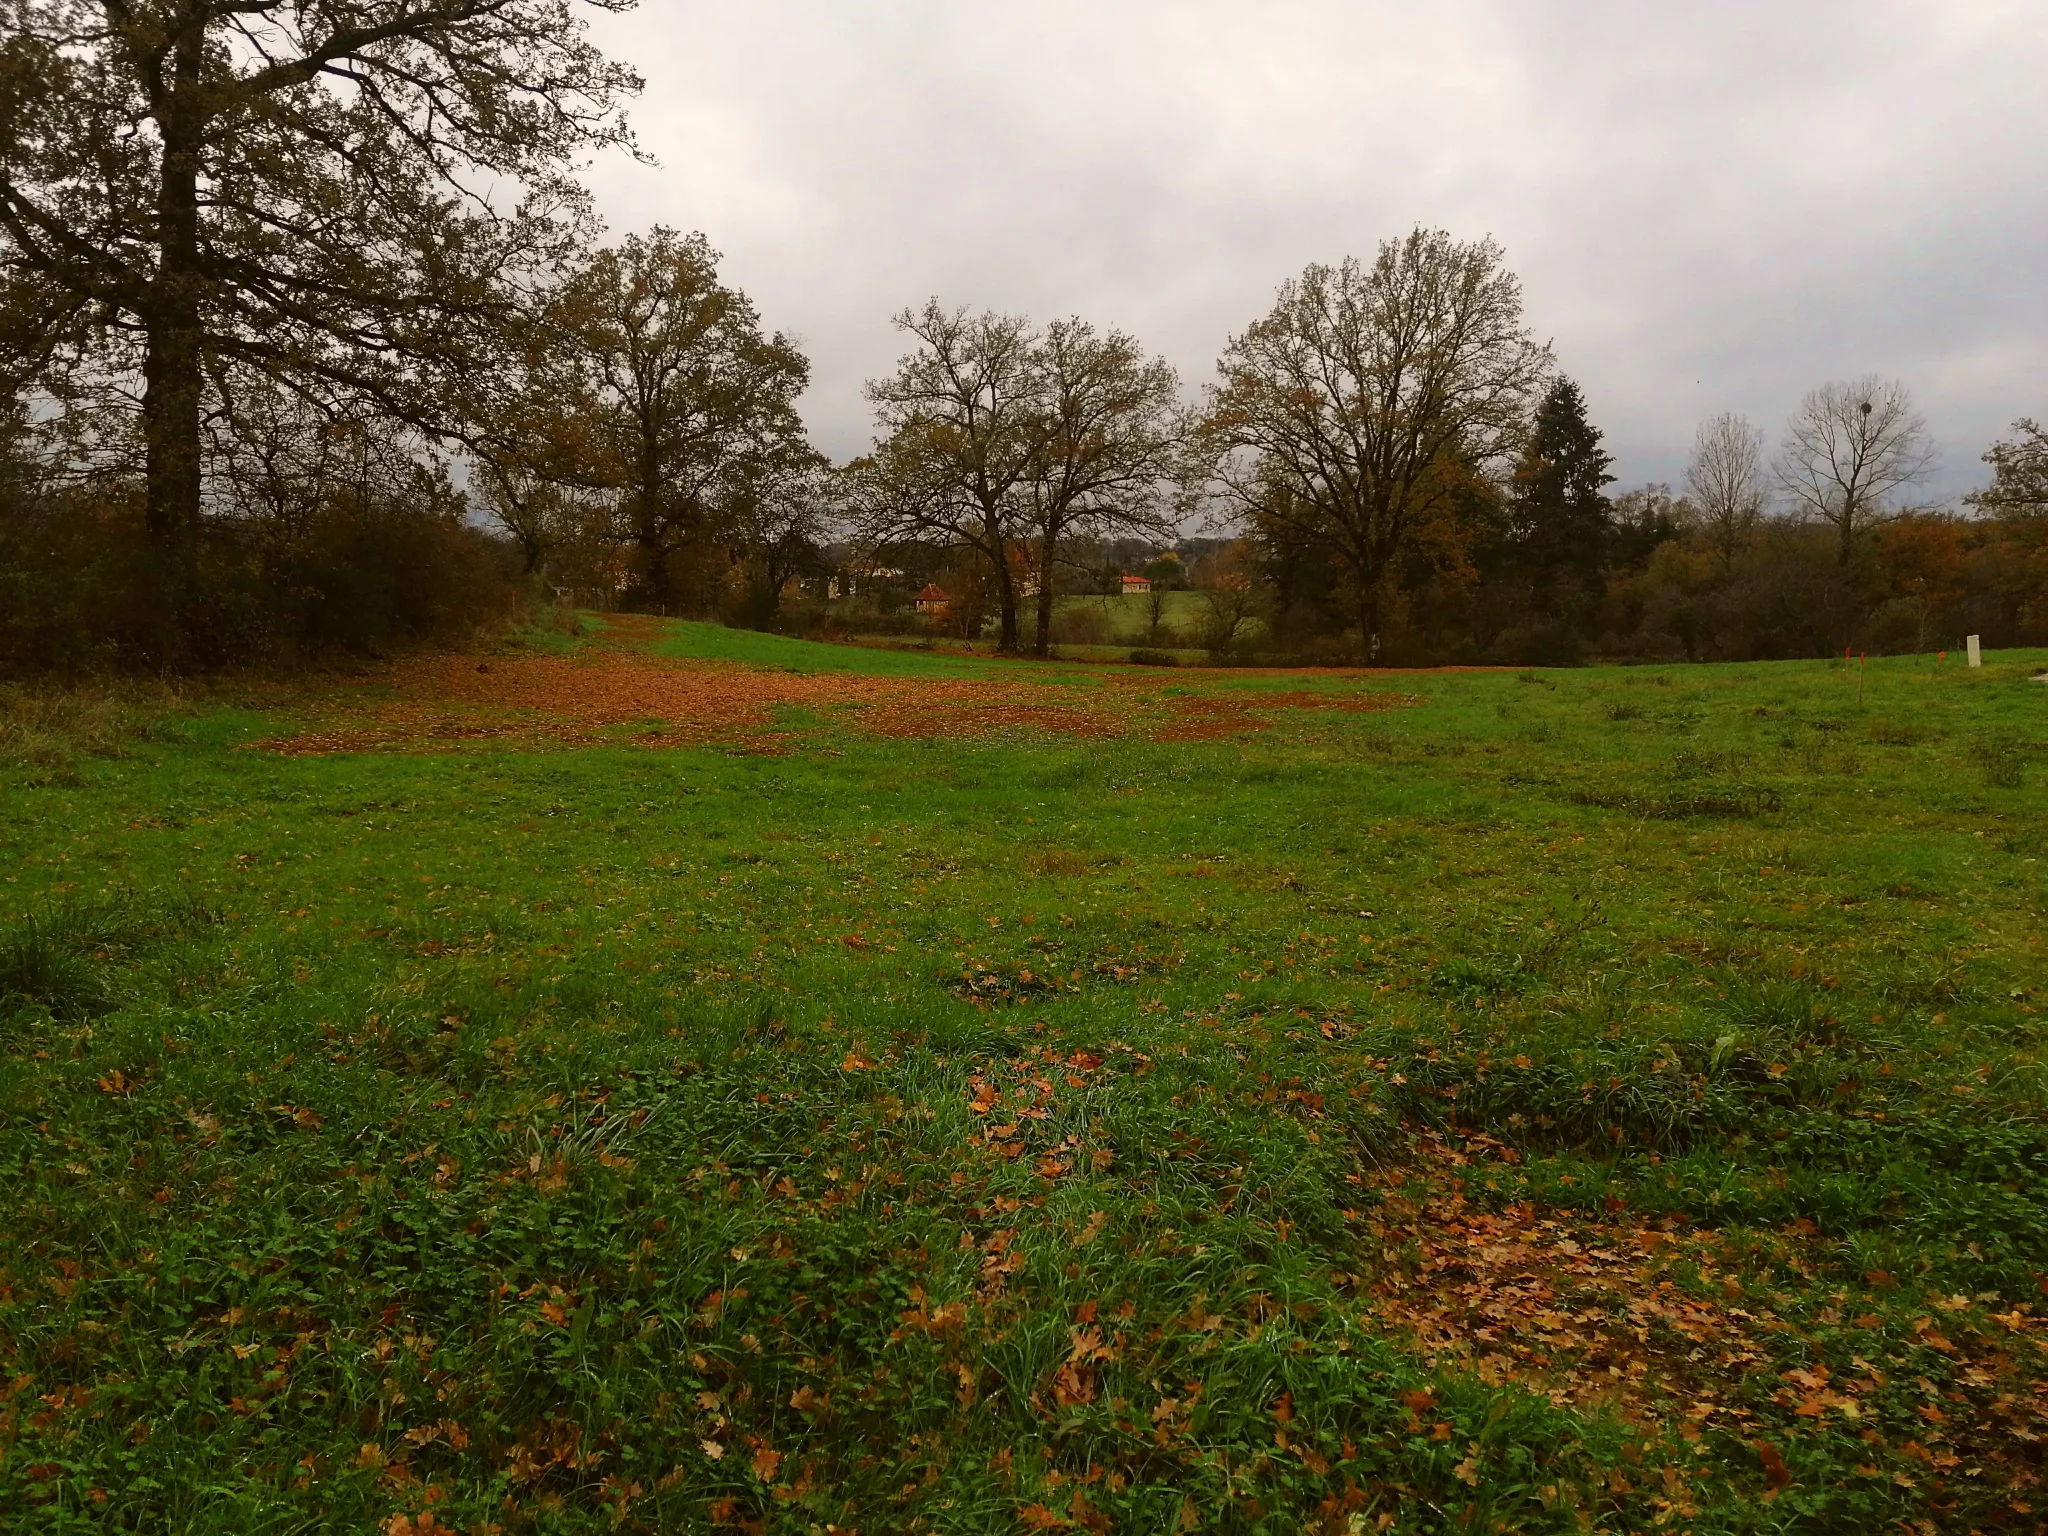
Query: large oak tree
x=1110, y=431
x=961, y=426
x=1352, y=417
x=685, y=408
x=330, y=194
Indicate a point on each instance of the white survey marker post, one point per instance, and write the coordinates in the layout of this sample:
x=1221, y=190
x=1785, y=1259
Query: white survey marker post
x=1976, y=654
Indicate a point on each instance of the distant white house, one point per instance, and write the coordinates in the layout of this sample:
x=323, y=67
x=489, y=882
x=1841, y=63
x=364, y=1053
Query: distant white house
x=933, y=600
x=1138, y=585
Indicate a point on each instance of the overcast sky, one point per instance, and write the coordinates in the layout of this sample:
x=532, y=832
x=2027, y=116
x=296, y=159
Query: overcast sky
x=1713, y=204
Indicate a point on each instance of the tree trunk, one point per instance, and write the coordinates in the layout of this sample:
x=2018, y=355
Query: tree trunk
x=1006, y=588
x=174, y=351
x=1043, y=648
x=1369, y=621
x=1006, y=597
x=649, y=526
x=768, y=602
x=653, y=562
x=532, y=545
x=170, y=429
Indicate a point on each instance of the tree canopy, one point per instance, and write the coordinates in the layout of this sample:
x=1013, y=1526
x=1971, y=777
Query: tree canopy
x=1353, y=415
x=329, y=194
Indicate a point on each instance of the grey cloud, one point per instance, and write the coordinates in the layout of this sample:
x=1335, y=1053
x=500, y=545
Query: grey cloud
x=1713, y=206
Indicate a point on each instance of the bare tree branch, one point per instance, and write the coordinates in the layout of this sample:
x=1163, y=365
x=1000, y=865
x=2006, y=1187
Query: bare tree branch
x=1726, y=478
x=1347, y=418
x=1848, y=448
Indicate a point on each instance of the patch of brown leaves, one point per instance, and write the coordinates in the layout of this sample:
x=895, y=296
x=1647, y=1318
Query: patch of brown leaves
x=1585, y=1310
x=444, y=701
x=1211, y=717
x=1653, y=1318
x=435, y=703
x=926, y=717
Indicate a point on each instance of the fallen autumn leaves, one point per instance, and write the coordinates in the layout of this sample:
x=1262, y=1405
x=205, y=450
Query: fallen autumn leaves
x=1668, y=1325
x=446, y=701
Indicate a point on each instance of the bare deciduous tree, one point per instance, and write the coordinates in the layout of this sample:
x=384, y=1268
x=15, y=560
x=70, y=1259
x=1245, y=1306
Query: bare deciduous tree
x=1726, y=478
x=297, y=188
x=1109, y=435
x=1349, y=418
x=1848, y=448
x=961, y=431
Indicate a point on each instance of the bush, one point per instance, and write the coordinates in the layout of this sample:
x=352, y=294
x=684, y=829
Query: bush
x=1147, y=658
x=82, y=591
x=49, y=729
x=1080, y=624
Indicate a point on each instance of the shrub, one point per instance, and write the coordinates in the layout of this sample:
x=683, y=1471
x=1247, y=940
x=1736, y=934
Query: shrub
x=1080, y=624
x=81, y=590
x=50, y=728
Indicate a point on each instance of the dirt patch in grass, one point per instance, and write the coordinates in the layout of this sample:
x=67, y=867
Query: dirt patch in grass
x=1214, y=728
x=1209, y=717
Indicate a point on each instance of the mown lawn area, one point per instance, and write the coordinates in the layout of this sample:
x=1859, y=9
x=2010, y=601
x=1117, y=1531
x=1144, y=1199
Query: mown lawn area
x=1200, y=1101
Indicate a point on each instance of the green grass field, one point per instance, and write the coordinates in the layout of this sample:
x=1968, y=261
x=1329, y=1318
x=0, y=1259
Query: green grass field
x=1597, y=1100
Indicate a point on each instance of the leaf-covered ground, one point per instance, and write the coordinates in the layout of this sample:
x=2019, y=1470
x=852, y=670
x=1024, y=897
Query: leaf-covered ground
x=690, y=1081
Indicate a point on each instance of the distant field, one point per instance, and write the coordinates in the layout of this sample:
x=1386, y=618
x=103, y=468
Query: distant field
x=1128, y=617
x=686, y=1080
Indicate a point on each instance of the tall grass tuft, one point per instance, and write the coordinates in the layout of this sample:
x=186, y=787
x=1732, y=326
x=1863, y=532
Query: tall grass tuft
x=42, y=964
x=62, y=958
x=52, y=728
x=2001, y=764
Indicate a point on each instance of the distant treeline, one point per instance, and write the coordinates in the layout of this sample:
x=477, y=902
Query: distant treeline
x=309, y=340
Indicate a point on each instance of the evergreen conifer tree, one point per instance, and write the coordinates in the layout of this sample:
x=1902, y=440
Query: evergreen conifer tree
x=1560, y=515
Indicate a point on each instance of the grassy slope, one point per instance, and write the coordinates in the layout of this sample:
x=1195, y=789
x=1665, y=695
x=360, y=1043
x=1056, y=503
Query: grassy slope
x=548, y=1136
